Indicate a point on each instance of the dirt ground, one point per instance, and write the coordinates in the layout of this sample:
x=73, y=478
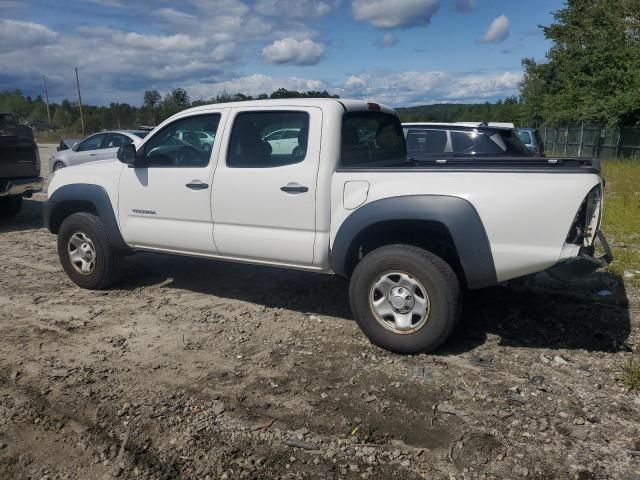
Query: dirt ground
x=203, y=369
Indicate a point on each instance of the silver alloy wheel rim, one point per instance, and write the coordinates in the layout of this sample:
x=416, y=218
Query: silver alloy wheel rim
x=399, y=302
x=82, y=253
x=57, y=166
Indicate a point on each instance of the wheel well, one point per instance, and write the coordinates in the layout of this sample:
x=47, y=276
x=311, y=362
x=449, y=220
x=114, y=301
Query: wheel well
x=65, y=209
x=428, y=235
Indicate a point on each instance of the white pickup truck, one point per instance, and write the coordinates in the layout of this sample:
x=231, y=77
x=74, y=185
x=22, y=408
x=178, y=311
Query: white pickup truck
x=346, y=200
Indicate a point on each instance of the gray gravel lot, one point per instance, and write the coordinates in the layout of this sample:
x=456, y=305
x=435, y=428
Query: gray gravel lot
x=202, y=369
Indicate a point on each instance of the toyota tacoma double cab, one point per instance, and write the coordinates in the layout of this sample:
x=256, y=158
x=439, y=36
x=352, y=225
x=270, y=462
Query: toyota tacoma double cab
x=345, y=199
x=19, y=165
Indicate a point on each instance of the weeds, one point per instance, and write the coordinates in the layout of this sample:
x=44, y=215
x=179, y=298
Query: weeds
x=631, y=374
x=622, y=216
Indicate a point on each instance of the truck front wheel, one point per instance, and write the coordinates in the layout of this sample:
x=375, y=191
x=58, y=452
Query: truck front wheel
x=86, y=253
x=405, y=299
x=10, y=206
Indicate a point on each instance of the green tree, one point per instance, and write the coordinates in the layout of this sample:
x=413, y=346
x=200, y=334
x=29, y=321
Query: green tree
x=175, y=101
x=150, y=104
x=592, y=72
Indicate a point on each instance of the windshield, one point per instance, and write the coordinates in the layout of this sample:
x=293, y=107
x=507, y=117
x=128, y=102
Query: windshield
x=372, y=139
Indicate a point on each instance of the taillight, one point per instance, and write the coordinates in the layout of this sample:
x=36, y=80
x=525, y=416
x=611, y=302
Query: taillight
x=587, y=220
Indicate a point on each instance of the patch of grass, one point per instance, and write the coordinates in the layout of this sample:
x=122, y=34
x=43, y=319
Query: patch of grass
x=621, y=221
x=631, y=374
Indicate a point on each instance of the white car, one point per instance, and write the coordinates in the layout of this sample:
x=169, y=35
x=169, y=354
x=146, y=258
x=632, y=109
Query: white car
x=283, y=141
x=347, y=201
x=202, y=140
x=99, y=146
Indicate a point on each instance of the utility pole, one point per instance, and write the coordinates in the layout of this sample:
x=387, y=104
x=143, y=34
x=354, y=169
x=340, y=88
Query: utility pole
x=46, y=98
x=80, y=102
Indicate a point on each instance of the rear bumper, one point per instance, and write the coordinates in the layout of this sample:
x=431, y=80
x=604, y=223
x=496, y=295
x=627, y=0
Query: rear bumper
x=585, y=262
x=20, y=186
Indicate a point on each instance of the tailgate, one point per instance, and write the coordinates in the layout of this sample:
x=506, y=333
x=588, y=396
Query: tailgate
x=18, y=157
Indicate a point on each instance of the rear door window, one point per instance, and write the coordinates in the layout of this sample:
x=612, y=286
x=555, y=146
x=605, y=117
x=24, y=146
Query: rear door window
x=372, y=139
x=253, y=145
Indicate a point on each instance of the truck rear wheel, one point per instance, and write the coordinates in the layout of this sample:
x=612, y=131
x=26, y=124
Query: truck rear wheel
x=86, y=253
x=10, y=206
x=405, y=299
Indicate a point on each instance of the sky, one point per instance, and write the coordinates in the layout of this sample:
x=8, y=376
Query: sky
x=398, y=52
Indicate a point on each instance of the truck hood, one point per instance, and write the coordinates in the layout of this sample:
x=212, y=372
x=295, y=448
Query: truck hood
x=104, y=173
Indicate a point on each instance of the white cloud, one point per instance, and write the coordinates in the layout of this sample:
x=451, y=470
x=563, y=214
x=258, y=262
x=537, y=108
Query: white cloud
x=155, y=42
x=416, y=87
x=498, y=30
x=480, y=87
x=15, y=34
x=391, y=88
x=292, y=51
x=253, y=85
x=396, y=13
x=296, y=8
x=464, y=6
x=387, y=41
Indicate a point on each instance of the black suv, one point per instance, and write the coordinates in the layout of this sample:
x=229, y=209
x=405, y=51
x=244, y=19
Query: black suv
x=428, y=140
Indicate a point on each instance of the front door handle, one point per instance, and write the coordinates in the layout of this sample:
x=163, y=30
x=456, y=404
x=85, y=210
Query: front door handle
x=197, y=185
x=294, y=188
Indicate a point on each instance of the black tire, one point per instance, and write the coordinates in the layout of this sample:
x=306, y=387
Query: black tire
x=108, y=261
x=434, y=275
x=10, y=206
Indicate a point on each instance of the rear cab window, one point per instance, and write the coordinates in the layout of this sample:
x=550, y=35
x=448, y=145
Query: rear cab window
x=372, y=139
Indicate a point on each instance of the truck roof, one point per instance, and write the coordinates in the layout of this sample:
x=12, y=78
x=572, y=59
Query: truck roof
x=348, y=105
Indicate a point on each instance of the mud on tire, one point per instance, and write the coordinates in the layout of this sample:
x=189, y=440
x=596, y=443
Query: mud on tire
x=405, y=299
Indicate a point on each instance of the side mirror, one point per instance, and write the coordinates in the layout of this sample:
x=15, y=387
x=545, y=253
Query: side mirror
x=127, y=154
x=76, y=147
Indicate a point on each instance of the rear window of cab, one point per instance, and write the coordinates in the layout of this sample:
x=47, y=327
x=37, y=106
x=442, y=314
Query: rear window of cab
x=371, y=139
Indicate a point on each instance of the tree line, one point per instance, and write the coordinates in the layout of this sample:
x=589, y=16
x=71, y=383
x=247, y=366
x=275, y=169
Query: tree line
x=155, y=108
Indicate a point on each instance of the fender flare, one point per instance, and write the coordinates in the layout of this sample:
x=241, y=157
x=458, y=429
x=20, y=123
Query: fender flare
x=87, y=193
x=456, y=214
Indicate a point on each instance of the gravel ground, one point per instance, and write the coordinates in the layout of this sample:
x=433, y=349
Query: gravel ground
x=203, y=369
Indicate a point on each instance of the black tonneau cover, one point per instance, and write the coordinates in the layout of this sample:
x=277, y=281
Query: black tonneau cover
x=508, y=162
x=477, y=163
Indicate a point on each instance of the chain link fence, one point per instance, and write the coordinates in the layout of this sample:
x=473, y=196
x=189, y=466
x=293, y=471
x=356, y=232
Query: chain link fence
x=590, y=141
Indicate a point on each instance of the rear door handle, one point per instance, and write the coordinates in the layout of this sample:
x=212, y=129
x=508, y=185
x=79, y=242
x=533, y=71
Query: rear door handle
x=92, y=154
x=294, y=188
x=197, y=185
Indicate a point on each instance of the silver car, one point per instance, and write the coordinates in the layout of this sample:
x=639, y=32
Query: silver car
x=99, y=146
